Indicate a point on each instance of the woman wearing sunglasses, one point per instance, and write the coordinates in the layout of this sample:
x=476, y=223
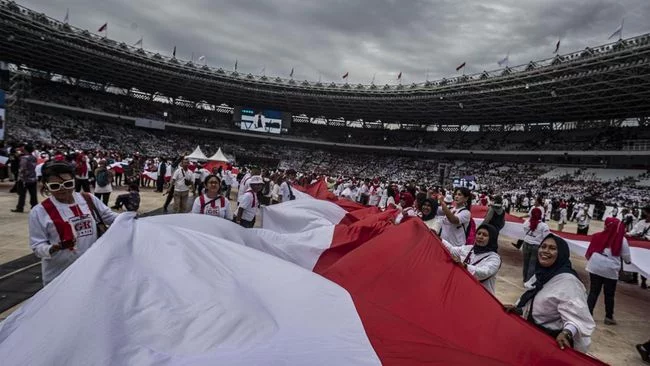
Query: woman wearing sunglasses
x=64, y=225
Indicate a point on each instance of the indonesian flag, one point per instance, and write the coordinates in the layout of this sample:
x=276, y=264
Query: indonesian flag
x=324, y=282
x=618, y=32
x=103, y=27
x=557, y=46
x=460, y=66
x=345, y=76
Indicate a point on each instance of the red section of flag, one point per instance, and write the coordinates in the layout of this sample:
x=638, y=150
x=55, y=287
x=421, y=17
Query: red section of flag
x=103, y=27
x=345, y=76
x=319, y=190
x=460, y=66
x=418, y=307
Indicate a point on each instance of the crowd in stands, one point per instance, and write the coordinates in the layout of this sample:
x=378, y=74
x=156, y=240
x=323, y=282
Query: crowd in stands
x=136, y=104
x=53, y=131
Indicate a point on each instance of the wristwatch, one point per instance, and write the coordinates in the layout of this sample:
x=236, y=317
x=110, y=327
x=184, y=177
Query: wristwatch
x=568, y=334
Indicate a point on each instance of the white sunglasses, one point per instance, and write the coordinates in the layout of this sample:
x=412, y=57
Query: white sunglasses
x=53, y=187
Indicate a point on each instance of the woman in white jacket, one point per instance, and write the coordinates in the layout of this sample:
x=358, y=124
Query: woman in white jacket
x=556, y=300
x=480, y=259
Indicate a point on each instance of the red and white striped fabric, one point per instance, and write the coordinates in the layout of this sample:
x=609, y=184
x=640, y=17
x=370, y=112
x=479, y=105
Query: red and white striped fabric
x=322, y=283
x=640, y=249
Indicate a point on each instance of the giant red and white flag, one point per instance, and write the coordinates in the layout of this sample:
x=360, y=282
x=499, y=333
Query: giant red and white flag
x=322, y=283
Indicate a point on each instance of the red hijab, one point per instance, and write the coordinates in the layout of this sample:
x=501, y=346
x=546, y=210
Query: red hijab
x=535, y=218
x=611, y=237
x=82, y=167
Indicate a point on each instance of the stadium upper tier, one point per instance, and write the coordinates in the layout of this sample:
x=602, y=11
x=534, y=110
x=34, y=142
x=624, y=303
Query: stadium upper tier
x=606, y=82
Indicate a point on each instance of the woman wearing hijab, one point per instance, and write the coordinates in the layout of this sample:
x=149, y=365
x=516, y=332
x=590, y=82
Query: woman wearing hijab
x=555, y=300
x=534, y=232
x=480, y=259
x=604, y=262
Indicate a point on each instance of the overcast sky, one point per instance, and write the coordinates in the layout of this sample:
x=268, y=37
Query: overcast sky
x=362, y=37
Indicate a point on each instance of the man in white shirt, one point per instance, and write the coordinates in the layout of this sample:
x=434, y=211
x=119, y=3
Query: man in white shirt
x=244, y=185
x=182, y=180
x=249, y=203
x=642, y=228
x=286, y=192
x=583, y=221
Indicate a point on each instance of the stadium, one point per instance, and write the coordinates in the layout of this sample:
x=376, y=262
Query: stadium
x=573, y=130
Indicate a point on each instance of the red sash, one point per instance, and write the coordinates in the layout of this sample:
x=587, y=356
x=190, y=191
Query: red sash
x=212, y=202
x=63, y=228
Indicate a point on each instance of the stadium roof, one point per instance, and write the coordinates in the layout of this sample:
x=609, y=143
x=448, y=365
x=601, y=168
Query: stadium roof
x=606, y=82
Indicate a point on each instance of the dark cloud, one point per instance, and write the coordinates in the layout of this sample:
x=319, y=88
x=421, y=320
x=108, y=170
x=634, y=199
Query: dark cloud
x=364, y=37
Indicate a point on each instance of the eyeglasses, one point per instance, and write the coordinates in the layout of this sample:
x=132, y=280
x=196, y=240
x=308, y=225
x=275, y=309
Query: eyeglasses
x=54, y=187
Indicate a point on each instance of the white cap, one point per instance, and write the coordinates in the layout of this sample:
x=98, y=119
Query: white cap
x=449, y=198
x=256, y=179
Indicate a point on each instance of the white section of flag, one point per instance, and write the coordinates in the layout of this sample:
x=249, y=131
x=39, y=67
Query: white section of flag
x=167, y=291
x=618, y=32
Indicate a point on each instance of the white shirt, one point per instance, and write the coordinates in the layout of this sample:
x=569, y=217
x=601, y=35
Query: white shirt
x=275, y=191
x=285, y=194
x=639, y=228
x=213, y=208
x=179, y=180
x=375, y=194
x=248, y=201
x=455, y=233
x=483, y=266
x=243, y=185
x=583, y=220
x=43, y=234
x=562, y=304
x=363, y=189
x=536, y=236
x=203, y=173
x=605, y=264
x=563, y=216
x=39, y=170
x=547, y=213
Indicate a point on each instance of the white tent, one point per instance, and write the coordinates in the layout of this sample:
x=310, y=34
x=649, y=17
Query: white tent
x=197, y=154
x=219, y=156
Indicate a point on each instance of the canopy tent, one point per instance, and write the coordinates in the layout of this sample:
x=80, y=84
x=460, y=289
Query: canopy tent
x=197, y=154
x=219, y=156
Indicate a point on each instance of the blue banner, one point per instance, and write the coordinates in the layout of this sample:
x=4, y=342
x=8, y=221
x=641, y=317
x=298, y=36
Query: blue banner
x=2, y=98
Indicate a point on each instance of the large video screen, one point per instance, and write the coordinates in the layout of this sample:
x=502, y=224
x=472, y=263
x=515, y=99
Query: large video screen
x=261, y=120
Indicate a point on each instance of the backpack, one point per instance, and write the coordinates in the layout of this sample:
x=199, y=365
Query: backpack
x=498, y=221
x=102, y=178
x=470, y=230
